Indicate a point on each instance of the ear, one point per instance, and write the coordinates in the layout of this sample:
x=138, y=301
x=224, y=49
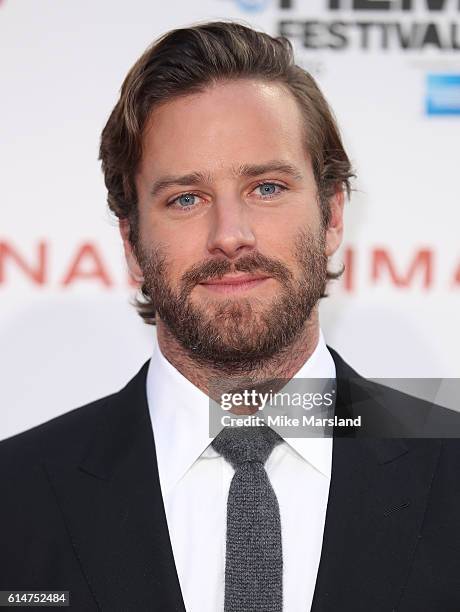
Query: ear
x=131, y=260
x=334, y=232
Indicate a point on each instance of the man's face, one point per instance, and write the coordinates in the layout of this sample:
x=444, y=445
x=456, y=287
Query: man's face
x=231, y=243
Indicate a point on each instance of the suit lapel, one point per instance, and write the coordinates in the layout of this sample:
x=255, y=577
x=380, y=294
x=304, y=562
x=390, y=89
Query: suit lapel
x=113, y=508
x=377, y=498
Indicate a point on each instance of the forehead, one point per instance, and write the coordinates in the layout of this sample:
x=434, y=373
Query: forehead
x=229, y=123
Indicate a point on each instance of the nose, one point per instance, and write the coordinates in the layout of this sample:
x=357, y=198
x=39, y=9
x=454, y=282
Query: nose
x=230, y=232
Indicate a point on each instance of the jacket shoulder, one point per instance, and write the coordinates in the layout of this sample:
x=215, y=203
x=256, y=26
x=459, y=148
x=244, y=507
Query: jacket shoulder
x=67, y=432
x=56, y=433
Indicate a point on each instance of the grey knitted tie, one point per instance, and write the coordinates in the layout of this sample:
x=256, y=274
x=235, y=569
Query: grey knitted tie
x=254, y=556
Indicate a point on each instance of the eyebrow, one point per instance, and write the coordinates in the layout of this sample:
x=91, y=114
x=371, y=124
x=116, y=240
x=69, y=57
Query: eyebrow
x=244, y=170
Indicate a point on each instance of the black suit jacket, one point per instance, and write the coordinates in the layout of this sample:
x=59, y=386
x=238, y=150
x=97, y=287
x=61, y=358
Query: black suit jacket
x=81, y=510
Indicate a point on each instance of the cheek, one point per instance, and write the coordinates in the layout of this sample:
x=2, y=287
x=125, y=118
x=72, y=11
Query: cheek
x=299, y=212
x=279, y=240
x=182, y=245
x=183, y=251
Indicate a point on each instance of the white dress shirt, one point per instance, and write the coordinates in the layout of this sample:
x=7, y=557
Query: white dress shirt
x=195, y=481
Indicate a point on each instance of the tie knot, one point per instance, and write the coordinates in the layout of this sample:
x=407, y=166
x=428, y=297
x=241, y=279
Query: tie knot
x=242, y=444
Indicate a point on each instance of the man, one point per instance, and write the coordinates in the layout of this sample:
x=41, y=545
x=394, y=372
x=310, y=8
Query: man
x=226, y=170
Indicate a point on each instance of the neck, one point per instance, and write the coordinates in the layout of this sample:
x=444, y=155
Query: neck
x=283, y=365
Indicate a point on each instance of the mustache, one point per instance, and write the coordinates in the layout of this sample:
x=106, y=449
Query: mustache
x=217, y=268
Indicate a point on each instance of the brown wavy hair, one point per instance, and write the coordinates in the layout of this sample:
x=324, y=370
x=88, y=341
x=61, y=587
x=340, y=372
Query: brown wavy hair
x=188, y=60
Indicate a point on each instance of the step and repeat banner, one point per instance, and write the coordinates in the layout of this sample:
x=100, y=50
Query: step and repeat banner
x=391, y=71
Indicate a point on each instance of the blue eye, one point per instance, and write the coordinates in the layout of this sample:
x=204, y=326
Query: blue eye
x=269, y=189
x=186, y=199
x=185, y=202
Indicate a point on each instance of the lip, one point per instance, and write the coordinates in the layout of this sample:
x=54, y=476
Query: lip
x=235, y=282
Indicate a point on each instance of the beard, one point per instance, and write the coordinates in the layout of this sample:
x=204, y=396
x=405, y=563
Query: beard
x=241, y=332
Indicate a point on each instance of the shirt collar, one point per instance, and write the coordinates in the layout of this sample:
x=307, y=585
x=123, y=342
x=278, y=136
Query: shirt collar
x=179, y=412
x=317, y=451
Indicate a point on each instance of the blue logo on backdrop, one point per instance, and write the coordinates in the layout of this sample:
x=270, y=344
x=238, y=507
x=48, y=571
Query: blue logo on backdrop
x=252, y=6
x=443, y=94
